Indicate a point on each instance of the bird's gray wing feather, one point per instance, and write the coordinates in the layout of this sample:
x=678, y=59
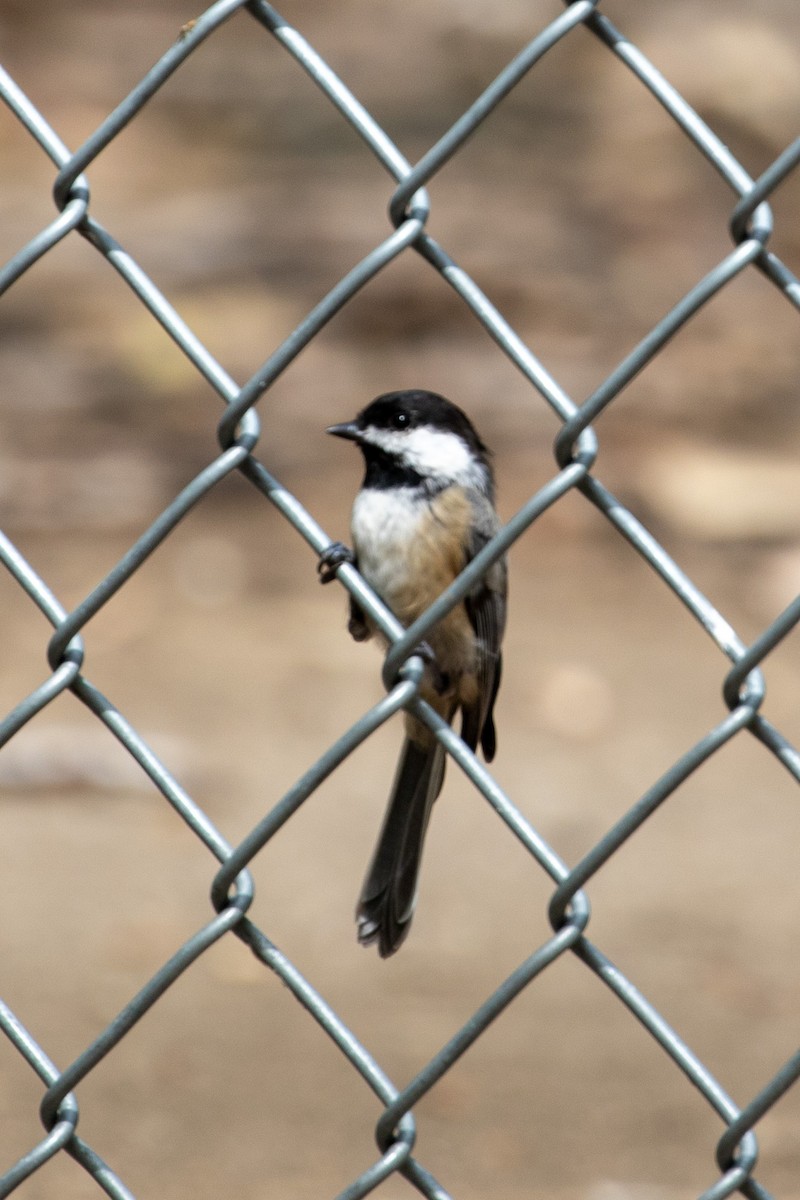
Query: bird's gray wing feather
x=486, y=609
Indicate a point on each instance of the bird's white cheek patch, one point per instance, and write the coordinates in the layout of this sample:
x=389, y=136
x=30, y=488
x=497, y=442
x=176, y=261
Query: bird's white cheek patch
x=431, y=452
x=392, y=441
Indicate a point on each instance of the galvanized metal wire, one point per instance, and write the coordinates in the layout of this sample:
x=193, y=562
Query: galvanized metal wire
x=733, y=1161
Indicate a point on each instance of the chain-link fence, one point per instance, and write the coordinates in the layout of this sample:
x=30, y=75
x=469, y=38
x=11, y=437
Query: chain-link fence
x=401, y=1140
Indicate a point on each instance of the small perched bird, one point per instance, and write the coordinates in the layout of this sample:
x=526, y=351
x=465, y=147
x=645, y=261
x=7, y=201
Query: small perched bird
x=425, y=508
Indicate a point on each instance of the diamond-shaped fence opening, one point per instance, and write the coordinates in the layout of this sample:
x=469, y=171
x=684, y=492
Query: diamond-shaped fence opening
x=578, y=222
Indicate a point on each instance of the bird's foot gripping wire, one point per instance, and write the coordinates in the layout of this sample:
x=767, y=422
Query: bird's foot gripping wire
x=331, y=558
x=441, y=680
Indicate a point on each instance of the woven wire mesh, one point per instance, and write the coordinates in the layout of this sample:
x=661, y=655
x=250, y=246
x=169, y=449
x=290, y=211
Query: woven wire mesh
x=732, y=1160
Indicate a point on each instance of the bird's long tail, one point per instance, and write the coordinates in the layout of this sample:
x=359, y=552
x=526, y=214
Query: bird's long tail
x=387, y=900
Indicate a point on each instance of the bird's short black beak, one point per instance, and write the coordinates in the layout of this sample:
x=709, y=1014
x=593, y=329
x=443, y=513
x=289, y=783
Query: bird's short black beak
x=348, y=429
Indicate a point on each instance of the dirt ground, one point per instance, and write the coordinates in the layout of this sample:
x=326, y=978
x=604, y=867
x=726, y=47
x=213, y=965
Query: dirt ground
x=226, y=1086
x=235, y=665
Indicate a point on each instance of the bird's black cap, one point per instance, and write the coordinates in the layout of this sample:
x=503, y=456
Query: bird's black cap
x=409, y=410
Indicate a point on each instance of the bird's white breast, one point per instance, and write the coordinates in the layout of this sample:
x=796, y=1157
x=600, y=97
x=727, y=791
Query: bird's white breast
x=410, y=547
x=384, y=525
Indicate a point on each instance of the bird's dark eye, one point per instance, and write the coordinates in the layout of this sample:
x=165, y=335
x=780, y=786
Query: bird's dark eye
x=399, y=420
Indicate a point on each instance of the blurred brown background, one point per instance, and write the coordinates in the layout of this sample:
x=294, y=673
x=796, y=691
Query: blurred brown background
x=585, y=215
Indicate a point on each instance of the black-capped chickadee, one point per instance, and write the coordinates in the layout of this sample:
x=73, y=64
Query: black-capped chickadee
x=425, y=508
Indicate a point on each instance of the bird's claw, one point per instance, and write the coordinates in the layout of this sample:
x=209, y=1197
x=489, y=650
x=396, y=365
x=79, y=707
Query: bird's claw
x=331, y=558
x=441, y=680
x=424, y=651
